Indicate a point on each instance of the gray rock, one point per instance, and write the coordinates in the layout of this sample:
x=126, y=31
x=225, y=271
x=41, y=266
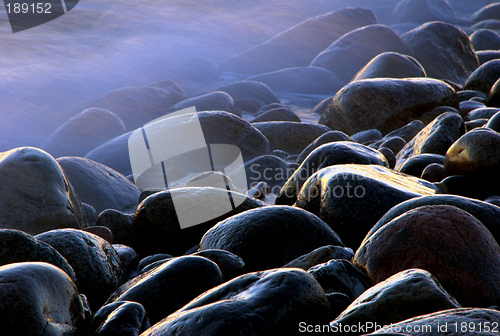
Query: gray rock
x=277, y=114
x=494, y=122
x=248, y=105
x=385, y=104
x=487, y=55
x=482, y=113
x=484, y=39
x=435, y=138
x=350, y=53
x=268, y=168
x=321, y=106
x=407, y=294
x=331, y=136
x=250, y=89
x=84, y=132
x=489, y=12
x=262, y=303
x=213, y=101
x=39, y=297
x=120, y=318
x=395, y=144
x=470, y=125
x=165, y=289
x=229, y=263
x=391, y=65
x=96, y=264
x=368, y=136
x=35, y=194
x=483, y=78
x=415, y=165
x=321, y=255
x=300, y=232
x=406, y=132
x=300, y=43
x=465, y=95
x=441, y=59
x=352, y=198
x=389, y=156
x=433, y=172
x=422, y=11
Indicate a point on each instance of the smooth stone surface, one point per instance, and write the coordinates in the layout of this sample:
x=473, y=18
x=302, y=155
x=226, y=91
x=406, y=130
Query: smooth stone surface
x=124, y=318
x=155, y=227
x=433, y=173
x=218, y=128
x=415, y=165
x=391, y=65
x=483, y=78
x=283, y=135
x=321, y=255
x=435, y=138
x=117, y=222
x=329, y=154
x=489, y=12
x=395, y=144
x=487, y=55
x=96, y=264
x=350, y=53
x=18, y=246
x=128, y=258
x=352, y=198
x=84, y=132
x=300, y=232
x=250, y=89
x=407, y=132
x=229, y=263
x=40, y=297
x=100, y=186
x=213, y=101
x=340, y=276
x=167, y=288
x=137, y=106
x=261, y=303
x=494, y=122
x=35, y=194
x=404, y=295
x=476, y=154
x=494, y=95
x=321, y=106
x=466, y=267
x=487, y=24
x=482, y=113
x=331, y=136
x=463, y=186
x=465, y=95
x=277, y=114
x=441, y=59
x=470, y=125
x=422, y=11
x=484, y=39
x=369, y=135
x=268, y=168
x=300, y=43
x=385, y=104
x=468, y=106
x=389, y=156
x=248, y=105
x=450, y=318
x=302, y=80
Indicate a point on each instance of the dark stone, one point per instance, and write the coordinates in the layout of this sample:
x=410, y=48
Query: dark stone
x=470, y=125
x=137, y=106
x=435, y=138
x=215, y=179
x=489, y=12
x=494, y=122
x=84, y=132
x=101, y=231
x=443, y=240
x=415, y=165
x=248, y=105
x=303, y=80
x=100, y=186
x=407, y=294
x=259, y=191
x=422, y=11
x=250, y=89
x=433, y=173
x=468, y=106
x=117, y=222
x=476, y=154
x=340, y=276
x=487, y=55
x=128, y=258
x=213, y=101
x=329, y=154
x=321, y=106
x=391, y=65
x=266, y=303
x=39, y=298
x=487, y=24
x=167, y=288
x=97, y=265
x=350, y=53
x=484, y=39
x=229, y=264
x=337, y=303
x=395, y=144
x=300, y=232
x=218, y=128
x=120, y=318
x=367, y=136
x=300, y=43
x=451, y=318
x=90, y=213
x=152, y=259
x=385, y=104
x=482, y=113
x=173, y=89
x=494, y=95
x=321, y=255
x=277, y=114
x=468, y=94
x=283, y=135
x=484, y=77
x=352, y=198
x=441, y=59
x=268, y=168
x=156, y=229
x=463, y=186
x=406, y=132
x=35, y=194
x=389, y=156
x=18, y=246
x=331, y=136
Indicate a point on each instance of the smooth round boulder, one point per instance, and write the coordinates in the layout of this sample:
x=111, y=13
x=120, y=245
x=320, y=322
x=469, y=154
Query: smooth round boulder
x=84, y=132
x=391, y=65
x=494, y=122
x=485, y=39
x=321, y=106
x=465, y=268
x=277, y=114
x=261, y=303
x=35, y=194
x=441, y=59
x=349, y=54
x=39, y=297
x=434, y=172
x=124, y=318
x=422, y=11
x=100, y=186
x=385, y=104
x=395, y=144
x=331, y=136
x=482, y=113
x=96, y=264
x=367, y=137
x=488, y=12
x=415, y=165
x=483, y=78
x=248, y=105
x=487, y=55
x=494, y=95
x=321, y=255
x=300, y=232
x=250, y=89
x=268, y=168
x=213, y=101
